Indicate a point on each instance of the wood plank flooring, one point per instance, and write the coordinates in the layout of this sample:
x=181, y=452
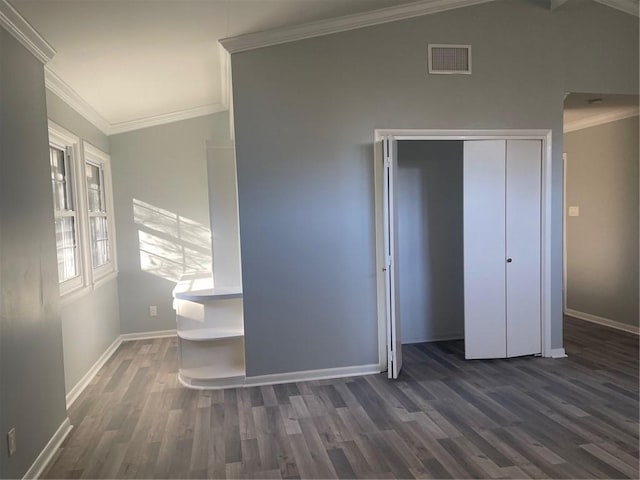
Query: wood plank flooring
x=444, y=418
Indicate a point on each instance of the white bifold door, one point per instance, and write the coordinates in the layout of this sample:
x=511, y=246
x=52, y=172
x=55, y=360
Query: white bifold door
x=502, y=248
x=392, y=285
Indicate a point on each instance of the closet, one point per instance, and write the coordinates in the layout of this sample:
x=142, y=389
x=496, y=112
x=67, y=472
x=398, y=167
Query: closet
x=502, y=219
x=493, y=252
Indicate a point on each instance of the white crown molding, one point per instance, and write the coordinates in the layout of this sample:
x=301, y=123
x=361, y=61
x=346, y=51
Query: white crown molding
x=320, y=28
x=69, y=96
x=632, y=7
x=155, y=120
x=601, y=119
x=17, y=25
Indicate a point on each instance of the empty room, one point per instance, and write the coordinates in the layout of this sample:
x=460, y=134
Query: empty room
x=319, y=239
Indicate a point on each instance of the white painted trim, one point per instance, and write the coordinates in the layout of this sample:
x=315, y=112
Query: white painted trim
x=307, y=375
x=628, y=6
x=426, y=134
x=558, y=353
x=130, y=337
x=164, y=118
x=75, y=392
x=564, y=231
x=48, y=452
x=224, y=58
x=79, y=387
x=602, y=321
x=442, y=338
x=601, y=119
x=344, y=23
x=69, y=96
x=21, y=30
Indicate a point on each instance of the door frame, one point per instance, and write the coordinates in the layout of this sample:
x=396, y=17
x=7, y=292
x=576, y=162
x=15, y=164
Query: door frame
x=544, y=135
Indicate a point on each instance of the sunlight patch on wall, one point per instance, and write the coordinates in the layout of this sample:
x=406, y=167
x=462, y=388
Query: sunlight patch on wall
x=170, y=245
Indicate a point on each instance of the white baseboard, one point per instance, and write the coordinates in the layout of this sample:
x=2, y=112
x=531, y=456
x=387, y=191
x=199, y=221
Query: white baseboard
x=558, y=353
x=79, y=387
x=130, y=337
x=47, y=453
x=323, y=374
x=602, y=321
x=437, y=338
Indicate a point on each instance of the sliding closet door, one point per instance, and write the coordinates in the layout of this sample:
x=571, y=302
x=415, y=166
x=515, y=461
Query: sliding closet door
x=484, y=249
x=523, y=210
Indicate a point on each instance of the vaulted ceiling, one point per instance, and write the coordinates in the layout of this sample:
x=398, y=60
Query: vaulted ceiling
x=136, y=59
x=130, y=63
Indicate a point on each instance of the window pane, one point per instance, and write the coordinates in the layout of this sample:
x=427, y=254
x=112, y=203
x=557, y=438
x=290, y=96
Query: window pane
x=66, y=246
x=60, y=180
x=94, y=188
x=99, y=241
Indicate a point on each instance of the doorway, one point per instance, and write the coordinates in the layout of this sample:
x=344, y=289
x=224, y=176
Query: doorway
x=390, y=294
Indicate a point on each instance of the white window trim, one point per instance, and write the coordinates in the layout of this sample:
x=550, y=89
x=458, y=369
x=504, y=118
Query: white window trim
x=96, y=156
x=63, y=139
x=82, y=151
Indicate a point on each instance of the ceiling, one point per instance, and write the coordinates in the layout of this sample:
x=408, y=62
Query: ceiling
x=126, y=64
x=582, y=110
x=132, y=60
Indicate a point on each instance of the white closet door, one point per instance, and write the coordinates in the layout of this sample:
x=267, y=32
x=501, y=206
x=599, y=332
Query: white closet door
x=484, y=249
x=392, y=285
x=524, y=176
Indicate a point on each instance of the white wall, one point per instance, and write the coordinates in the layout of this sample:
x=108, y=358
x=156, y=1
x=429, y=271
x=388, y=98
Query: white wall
x=430, y=236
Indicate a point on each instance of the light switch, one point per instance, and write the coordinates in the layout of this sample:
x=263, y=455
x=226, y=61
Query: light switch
x=574, y=211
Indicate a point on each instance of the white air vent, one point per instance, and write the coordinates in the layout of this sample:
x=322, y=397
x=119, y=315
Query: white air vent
x=450, y=59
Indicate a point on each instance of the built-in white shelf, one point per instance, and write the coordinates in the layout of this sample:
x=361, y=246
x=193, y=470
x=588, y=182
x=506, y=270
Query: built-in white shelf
x=210, y=334
x=199, y=288
x=210, y=328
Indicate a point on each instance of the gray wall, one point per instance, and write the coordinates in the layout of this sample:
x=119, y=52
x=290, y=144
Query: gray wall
x=162, y=214
x=304, y=140
x=91, y=323
x=430, y=236
x=31, y=365
x=602, y=243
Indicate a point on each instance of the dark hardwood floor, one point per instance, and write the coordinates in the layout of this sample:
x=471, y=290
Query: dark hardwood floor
x=575, y=417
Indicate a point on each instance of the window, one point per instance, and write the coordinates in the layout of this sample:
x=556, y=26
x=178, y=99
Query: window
x=81, y=187
x=97, y=170
x=63, y=185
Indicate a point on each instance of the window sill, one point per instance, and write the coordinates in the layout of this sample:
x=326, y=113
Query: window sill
x=78, y=293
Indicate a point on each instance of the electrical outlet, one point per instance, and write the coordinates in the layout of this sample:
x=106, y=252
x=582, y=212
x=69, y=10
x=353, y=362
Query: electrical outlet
x=153, y=311
x=11, y=441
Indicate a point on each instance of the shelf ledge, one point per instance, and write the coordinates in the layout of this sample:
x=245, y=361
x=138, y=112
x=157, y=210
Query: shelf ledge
x=208, y=334
x=200, y=288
